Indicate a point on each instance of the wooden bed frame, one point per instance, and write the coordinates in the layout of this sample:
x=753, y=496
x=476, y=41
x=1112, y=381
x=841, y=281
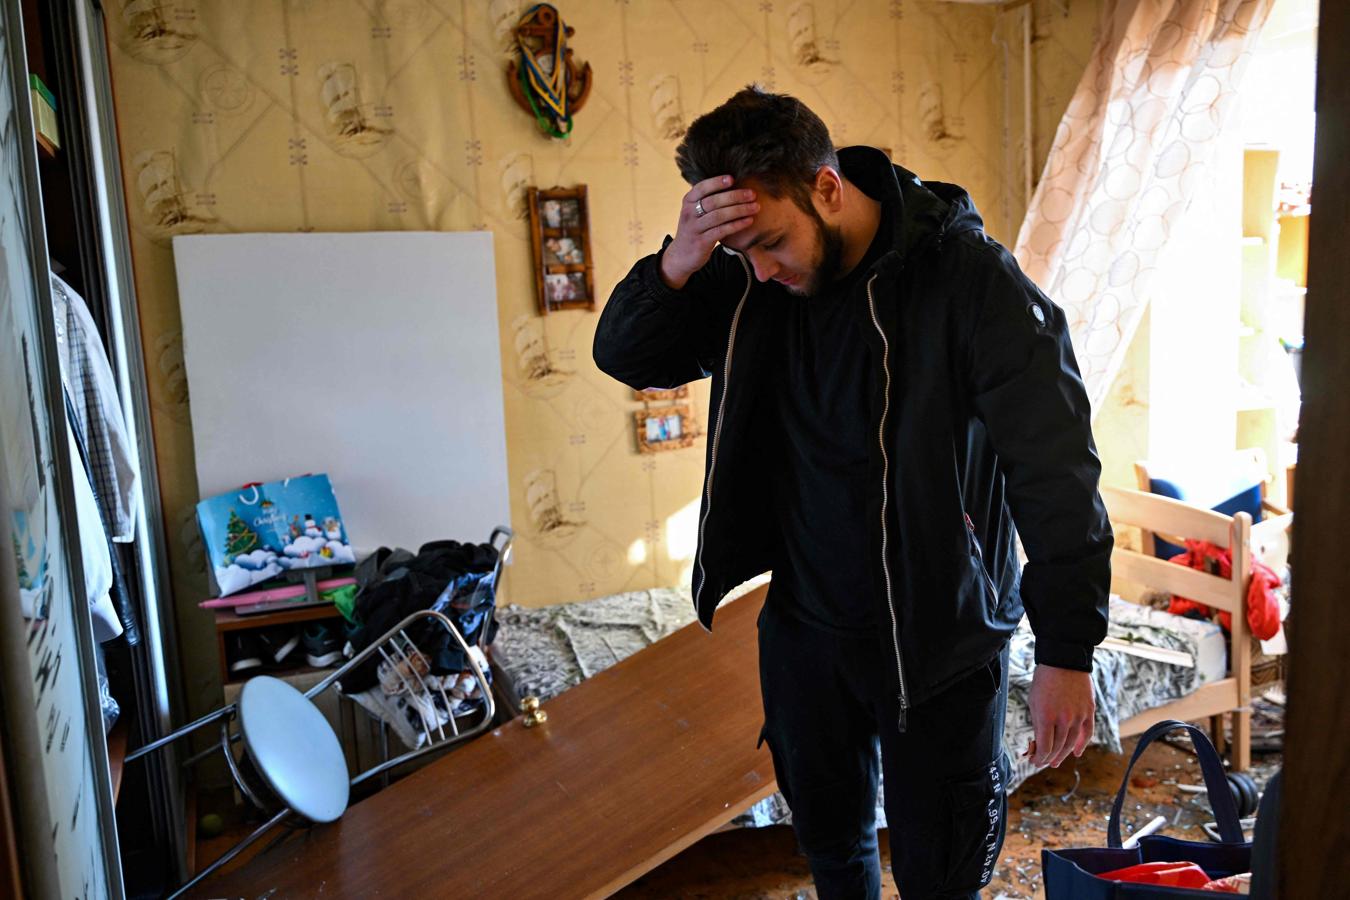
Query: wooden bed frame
x=1270, y=536
x=1218, y=699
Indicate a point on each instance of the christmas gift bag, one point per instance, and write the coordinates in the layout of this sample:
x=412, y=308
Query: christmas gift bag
x=264, y=530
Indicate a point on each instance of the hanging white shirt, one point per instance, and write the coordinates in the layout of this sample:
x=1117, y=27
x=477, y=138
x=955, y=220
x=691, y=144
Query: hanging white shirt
x=94, y=558
x=89, y=379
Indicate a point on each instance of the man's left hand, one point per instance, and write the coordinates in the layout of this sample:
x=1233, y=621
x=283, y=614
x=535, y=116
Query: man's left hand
x=1062, y=711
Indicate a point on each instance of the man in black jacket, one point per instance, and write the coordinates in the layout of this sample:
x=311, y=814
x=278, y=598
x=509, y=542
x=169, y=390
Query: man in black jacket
x=889, y=394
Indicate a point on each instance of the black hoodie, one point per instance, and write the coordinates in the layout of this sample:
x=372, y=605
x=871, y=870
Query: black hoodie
x=981, y=419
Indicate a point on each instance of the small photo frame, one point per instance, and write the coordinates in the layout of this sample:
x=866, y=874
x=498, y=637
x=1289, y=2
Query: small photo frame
x=563, y=251
x=652, y=395
x=560, y=213
x=665, y=428
x=564, y=289
x=561, y=241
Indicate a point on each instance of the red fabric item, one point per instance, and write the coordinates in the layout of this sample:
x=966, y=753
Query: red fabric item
x=1263, y=611
x=1170, y=874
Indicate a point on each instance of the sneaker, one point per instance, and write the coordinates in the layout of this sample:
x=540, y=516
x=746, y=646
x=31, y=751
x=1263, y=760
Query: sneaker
x=322, y=646
x=245, y=653
x=277, y=643
x=350, y=630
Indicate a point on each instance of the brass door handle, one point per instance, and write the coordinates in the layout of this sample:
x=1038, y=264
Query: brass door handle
x=534, y=715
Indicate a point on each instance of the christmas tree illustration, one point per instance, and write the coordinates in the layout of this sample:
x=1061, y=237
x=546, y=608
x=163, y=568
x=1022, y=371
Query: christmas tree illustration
x=239, y=538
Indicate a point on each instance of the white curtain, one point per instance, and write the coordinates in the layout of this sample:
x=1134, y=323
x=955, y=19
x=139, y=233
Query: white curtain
x=1125, y=161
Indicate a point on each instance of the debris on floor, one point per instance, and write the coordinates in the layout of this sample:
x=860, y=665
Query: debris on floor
x=1064, y=807
x=1070, y=806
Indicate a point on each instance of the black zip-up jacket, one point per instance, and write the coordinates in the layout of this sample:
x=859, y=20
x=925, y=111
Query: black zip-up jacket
x=980, y=418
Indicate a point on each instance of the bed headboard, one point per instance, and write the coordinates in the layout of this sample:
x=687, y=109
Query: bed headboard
x=1156, y=513
x=1217, y=699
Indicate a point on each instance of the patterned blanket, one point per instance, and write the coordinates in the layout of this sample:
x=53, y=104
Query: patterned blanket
x=547, y=650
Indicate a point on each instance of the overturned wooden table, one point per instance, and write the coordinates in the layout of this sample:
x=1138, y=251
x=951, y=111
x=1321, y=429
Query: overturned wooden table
x=631, y=767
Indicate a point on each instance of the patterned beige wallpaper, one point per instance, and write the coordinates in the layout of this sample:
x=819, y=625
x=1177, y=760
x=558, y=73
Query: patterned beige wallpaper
x=356, y=115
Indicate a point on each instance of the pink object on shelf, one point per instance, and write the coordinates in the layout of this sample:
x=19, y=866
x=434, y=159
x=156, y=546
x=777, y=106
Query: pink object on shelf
x=271, y=595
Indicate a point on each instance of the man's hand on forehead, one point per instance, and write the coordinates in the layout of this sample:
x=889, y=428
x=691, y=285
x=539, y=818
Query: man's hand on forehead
x=717, y=202
x=711, y=211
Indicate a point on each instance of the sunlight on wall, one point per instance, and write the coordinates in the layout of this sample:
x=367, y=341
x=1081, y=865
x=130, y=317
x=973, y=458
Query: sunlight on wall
x=682, y=532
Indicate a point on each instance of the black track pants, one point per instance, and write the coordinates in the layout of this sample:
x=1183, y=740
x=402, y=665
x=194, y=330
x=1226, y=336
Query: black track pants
x=824, y=714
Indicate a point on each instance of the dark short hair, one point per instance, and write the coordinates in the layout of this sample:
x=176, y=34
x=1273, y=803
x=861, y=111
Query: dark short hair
x=773, y=138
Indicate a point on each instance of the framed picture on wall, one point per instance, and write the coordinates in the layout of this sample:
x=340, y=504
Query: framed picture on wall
x=665, y=428
x=560, y=237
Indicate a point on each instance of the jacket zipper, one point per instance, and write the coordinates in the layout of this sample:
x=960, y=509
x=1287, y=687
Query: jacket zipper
x=717, y=433
x=903, y=696
x=979, y=554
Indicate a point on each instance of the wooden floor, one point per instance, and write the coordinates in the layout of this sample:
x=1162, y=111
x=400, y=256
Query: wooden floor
x=1056, y=808
x=745, y=863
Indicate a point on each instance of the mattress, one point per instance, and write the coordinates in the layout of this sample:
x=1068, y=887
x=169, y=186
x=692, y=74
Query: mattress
x=1202, y=639
x=1123, y=684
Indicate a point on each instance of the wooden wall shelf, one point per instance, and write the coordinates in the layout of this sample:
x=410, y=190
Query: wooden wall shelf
x=227, y=621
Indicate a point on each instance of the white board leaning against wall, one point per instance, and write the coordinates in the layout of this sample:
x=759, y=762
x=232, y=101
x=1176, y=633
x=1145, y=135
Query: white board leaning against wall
x=373, y=357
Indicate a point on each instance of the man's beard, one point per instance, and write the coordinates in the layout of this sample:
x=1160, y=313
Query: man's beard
x=831, y=243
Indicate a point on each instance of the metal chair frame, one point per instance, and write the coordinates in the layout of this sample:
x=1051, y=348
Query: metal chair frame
x=383, y=768
x=394, y=647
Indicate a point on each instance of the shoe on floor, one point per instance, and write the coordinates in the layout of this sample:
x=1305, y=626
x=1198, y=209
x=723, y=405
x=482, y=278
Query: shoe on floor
x=349, y=631
x=278, y=643
x=323, y=647
x=245, y=653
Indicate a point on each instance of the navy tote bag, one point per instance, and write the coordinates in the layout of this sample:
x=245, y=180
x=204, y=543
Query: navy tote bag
x=1071, y=874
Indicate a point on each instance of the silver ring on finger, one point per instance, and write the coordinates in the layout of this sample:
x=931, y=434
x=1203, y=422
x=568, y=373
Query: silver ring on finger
x=698, y=208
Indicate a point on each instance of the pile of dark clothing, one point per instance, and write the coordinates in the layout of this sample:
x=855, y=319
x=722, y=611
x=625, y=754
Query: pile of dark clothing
x=447, y=576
